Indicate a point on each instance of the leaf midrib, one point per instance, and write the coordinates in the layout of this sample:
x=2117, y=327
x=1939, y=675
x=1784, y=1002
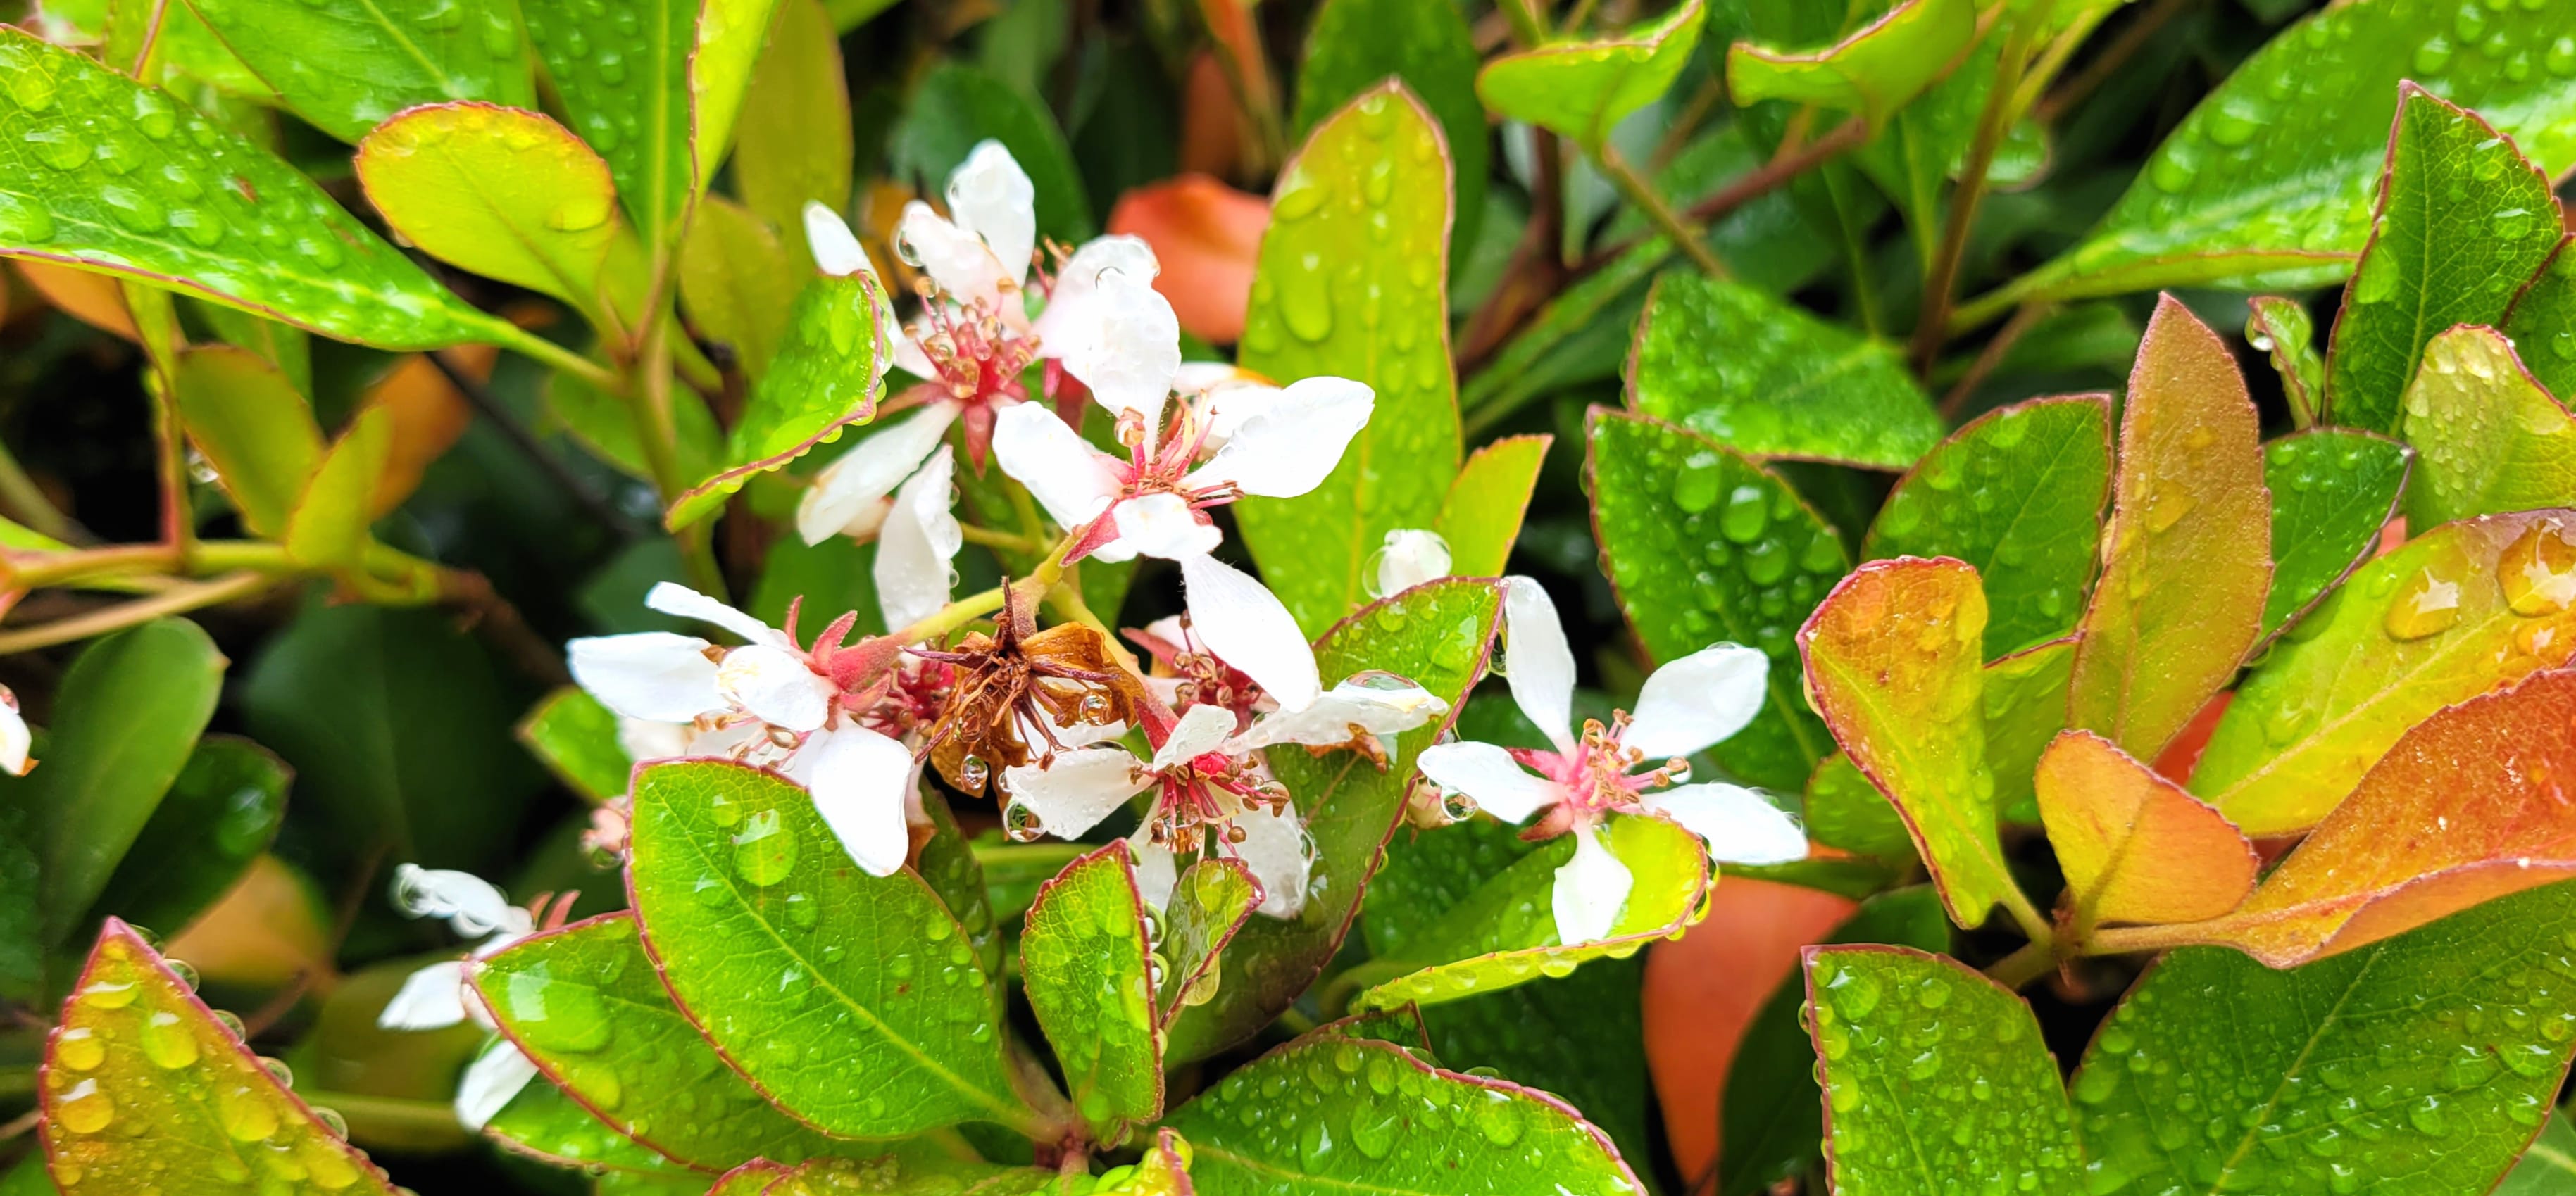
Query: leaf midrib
x=2245, y=1143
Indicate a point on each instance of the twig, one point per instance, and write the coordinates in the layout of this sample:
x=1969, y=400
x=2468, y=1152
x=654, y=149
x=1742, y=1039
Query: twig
x=1686, y=235
x=1938, y=282
x=480, y=398
x=2031, y=962
x=19, y=1125
x=1989, y=357
x=1534, y=273
x=278, y=1006
x=176, y=600
x=1784, y=167
x=500, y=622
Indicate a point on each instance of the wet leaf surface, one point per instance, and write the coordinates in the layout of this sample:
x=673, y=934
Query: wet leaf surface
x=346, y=68
x=2492, y=440
x=2543, y=324
x=1085, y=961
x=828, y=374
x=576, y=737
x=1482, y=515
x=505, y=193
x=2135, y=847
x=1352, y=44
x=2333, y=489
x=1871, y=73
x=1583, y=89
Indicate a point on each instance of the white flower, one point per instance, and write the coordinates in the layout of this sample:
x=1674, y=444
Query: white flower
x=1275, y=849
x=1685, y=707
x=1361, y=711
x=918, y=541
x=1411, y=557
x=15, y=739
x=435, y=997
x=491, y=1082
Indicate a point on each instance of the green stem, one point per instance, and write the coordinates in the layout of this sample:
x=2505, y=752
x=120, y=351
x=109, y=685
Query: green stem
x=1630, y=184
x=387, y=1118
x=1002, y=541
x=1529, y=30
x=26, y=501
x=176, y=600
x=2034, y=960
x=529, y=344
x=1996, y=118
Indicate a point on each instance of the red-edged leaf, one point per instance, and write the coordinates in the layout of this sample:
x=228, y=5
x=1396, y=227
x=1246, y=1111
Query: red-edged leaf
x=2135, y=846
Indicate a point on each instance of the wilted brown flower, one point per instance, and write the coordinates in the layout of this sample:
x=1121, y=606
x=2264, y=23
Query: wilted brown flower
x=1019, y=684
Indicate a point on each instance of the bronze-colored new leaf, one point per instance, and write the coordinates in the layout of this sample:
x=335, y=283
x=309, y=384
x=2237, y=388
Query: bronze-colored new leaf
x=2134, y=846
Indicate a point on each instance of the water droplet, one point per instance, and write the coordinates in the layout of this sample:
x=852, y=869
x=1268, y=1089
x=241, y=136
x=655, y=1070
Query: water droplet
x=1695, y=484
x=85, y=1109
x=169, y=1042
x=765, y=850
x=2538, y=571
x=1305, y=302
x=108, y=994
x=79, y=1049
x=2425, y=605
x=32, y=85
x=58, y=146
x=1747, y=512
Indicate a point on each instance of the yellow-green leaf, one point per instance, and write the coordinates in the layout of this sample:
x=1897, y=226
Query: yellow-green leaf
x=738, y=282
x=329, y=526
x=505, y=193
x=1085, y=961
x=1871, y=73
x=792, y=141
x=345, y=67
x=2492, y=439
x=2135, y=847
x=1583, y=89
x=1482, y=515
x=252, y=427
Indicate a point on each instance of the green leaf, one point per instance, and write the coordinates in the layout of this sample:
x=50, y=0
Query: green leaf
x=958, y=106
x=2282, y=328
x=285, y=346
x=1582, y=1038
x=2547, y=1167
x=1084, y=960
x=1892, y=665
x=586, y=1004
x=1487, y=501
x=1210, y=901
x=877, y=980
x=2543, y=323
x=827, y=375
x=2427, y=626
x=1788, y=385
x=2025, y=708
x=505, y=193
x=1351, y=284
x=22, y=923
x=835, y=575
x=1768, y=1129
x=576, y=738
x=125, y=719
x=653, y=86
x=1435, y=634
x=2493, y=440
x=345, y=68
x=328, y=528
x=1352, y=44
x=1428, y=873
x=546, y=1123
x=1704, y=546
x=894, y=1176
x=1504, y=933
x=127, y=180
x=605, y=424
x=1375, y=1129
x=2464, y=219
x=738, y=283
x=1583, y=89
x=1845, y=811
x=2267, y=182
x=2384, y=1070
x=150, y=1085
x=252, y=426
x=1872, y=73
x=2332, y=490
x=947, y=863
x=792, y=143
x=750, y=1179
x=1900, y=1035
x=2018, y=493
x=730, y=36
x=218, y=815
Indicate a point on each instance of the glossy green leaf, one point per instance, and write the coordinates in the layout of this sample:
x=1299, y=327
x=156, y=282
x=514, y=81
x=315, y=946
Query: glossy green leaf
x=546, y=1123
x=2018, y=493
x=1844, y=811
x=218, y=815
x=22, y=922
x=804, y=970
x=738, y=282
x=750, y=1179
x=252, y=427
x=921, y=1177
x=947, y=863
x=2421, y=1064
x=2186, y=556
x=2492, y=439
x=125, y=718
x=142, y=1082
x=1900, y=1036
x=2547, y=1167
x=328, y=528
x=2543, y=323
x=1704, y=546
x=2434, y=623
x=730, y=37
x=2463, y=221
x=505, y=193
x=2281, y=327
x=126, y=179
x=827, y=375
x=1352, y=44
x=835, y=575
x=1387, y=1123
x=1351, y=283
x=1871, y=73
x=1583, y=89
x=2268, y=182
x=1581, y=1037
x=2332, y=491
x=1428, y=873
x=1768, y=1127
x=792, y=142
x=1085, y=960
x=587, y=1005
x=1487, y=501
x=1788, y=384
x=1435, y=634
x=346, y=67
x=285, y=346
x=1504, y=933
x=2025, y=708
x=576, y=738
x=957, y=106
x=1210, y=901
x=1892, y=665
x=624, y=85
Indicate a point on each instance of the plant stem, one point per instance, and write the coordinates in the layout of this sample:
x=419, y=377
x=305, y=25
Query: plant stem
x=389, y=1119
x=2033, y=924
x=1529, y=29
x=529, y=344
x=26, y=502
x=2034, y=960
x=1932, y=327
x=650, y=404
x=2132, y=39
x=1003, y=541
x=1684, y=234
x=172, y=601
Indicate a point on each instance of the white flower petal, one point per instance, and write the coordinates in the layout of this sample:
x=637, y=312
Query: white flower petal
x=432, y=998
x=645, y=739
x=1072, y=314
x=1590, y=889
x=490, y=1082
x=920, y=537
x=1067, y=476
x=1162, y=525
x=469, y=904
x=908, y=353
x=1156, y=871
x=836, y=250
x=1488, y=774
x=1538, y=661
x=1246, y=626
x=1740, y=826
x=992, y=197
x=859, y=782
x=1129, y=347
x=958, y=260
x=1411, y=557
x=776, y=687
x=847, y=489
x=672, y=598
x=1202, y=729
x=1275, y=847
x=1697, y=701
x=15, y=739
x=1374, y=704
x=1291, y=444
x=1072, y=793
x=658, y=676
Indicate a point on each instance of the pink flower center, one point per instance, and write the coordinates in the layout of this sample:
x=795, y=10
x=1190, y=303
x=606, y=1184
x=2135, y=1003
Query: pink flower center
x=1600, y=775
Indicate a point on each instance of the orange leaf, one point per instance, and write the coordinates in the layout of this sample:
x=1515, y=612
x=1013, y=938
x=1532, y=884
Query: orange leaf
x=93, y=299
x=429, y=413
x=1208, y=238
x=2471, y=804
x=2188, y=551
x=2135, y=847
